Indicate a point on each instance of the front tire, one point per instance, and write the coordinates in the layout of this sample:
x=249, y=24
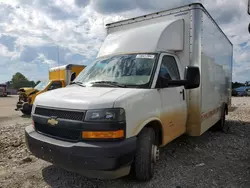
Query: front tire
x=146, y=155
x=26, y=112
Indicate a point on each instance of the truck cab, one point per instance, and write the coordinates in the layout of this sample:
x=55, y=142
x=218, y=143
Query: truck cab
x=59, y=77
x=46, y=85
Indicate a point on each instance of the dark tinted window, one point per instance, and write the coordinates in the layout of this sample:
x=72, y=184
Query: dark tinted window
x=169, y=69
x=55, y=85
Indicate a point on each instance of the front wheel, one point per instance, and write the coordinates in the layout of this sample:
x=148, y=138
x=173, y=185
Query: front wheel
x=146, y=155
x=26, y=112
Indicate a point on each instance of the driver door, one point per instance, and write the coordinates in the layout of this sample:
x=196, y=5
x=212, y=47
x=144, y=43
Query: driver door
x=173, y=98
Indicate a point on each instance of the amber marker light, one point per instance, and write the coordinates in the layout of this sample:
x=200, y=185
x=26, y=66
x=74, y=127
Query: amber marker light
x=102, y=134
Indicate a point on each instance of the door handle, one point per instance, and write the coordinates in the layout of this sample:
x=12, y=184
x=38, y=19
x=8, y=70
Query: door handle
x=183, y=94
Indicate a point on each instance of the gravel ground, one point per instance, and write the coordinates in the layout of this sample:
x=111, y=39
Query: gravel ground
x=212, y=160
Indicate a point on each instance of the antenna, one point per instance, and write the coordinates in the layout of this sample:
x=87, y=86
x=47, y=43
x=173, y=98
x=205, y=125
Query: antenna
x=248, y=10
x=57, y=55
x=58, y=61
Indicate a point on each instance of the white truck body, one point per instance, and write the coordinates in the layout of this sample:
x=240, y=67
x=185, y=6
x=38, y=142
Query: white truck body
x=192, y=35
x=185, y=37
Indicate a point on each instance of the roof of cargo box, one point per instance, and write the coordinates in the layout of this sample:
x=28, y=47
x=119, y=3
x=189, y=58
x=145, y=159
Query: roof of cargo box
x=64, y=67
x=162, y=36
x=164, y=13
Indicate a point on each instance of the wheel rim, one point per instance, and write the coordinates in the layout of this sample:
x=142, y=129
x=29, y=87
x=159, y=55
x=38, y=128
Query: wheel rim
x=155, y=153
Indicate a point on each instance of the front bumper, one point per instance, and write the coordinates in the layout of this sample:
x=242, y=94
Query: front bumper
x=104, y=160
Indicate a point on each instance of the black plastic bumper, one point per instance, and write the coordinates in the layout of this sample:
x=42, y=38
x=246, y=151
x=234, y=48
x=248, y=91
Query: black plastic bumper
x=81, y=156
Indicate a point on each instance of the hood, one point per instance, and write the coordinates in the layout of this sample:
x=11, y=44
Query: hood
x=77, y=97
x=26, y=90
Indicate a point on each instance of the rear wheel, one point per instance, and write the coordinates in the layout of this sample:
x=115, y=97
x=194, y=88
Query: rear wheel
x=146, y=155
x=221, y=125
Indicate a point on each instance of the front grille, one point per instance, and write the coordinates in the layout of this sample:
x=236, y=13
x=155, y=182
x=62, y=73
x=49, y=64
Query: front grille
x=71, y=115
x=58, y=132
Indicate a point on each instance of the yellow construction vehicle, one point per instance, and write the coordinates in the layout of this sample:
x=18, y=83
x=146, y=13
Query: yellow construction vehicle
x=58, y=77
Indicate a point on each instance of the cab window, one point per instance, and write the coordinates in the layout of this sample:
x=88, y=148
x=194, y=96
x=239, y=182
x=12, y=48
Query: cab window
x=55, y=85
x=168, y=71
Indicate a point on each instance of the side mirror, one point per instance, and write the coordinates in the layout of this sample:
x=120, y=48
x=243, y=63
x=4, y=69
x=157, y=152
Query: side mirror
x=73, y=76
x=192, y=77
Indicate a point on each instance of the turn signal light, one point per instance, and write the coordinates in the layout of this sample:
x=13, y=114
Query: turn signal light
x=102, y=134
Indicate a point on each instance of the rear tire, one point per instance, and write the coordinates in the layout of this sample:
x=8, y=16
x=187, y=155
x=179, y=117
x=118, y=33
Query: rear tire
x=146, y=155
x=221, y=125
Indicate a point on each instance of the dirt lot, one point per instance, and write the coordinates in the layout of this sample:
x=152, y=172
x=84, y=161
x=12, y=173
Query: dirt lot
x=8, y=115
x=212, y=160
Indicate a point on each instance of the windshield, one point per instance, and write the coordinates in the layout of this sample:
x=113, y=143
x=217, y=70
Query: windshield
x=42, y=85
x=129, y=70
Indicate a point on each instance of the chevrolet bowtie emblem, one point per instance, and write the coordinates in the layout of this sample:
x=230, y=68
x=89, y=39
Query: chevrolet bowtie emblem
x=52, y=121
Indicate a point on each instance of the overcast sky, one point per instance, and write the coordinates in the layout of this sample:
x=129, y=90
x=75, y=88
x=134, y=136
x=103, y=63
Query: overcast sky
x=31, y=30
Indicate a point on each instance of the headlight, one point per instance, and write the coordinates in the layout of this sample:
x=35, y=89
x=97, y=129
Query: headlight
x=113, y=114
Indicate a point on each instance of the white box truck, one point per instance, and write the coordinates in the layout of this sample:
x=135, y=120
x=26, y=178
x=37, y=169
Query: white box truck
x=156, y=77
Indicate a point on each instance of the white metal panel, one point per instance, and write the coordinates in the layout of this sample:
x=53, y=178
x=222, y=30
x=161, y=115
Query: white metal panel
x=216, y=65
x=172, y=37
x=58, y=68
x=141, y=107
x=162, y=36
x=81, y=98
x=216, y=69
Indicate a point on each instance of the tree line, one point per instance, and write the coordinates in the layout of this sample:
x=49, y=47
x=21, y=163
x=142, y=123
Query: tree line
x=19, y=80
x=238, y=84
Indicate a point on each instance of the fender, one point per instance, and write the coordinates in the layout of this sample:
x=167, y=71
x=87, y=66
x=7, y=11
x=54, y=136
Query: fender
x=140, y=126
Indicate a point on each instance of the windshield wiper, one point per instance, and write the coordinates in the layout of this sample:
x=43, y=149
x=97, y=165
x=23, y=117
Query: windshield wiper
x=77, y=83
x=110, y=83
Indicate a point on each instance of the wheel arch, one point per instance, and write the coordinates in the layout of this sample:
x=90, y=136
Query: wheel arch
x=156, y=124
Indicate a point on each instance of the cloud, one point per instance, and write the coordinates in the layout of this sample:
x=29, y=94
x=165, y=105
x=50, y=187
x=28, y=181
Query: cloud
x=8, y=41
x=82, y=3
x=228, y=10
x=5, y=52
x=33, y=30
x=113, y=6
x=42, y=58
